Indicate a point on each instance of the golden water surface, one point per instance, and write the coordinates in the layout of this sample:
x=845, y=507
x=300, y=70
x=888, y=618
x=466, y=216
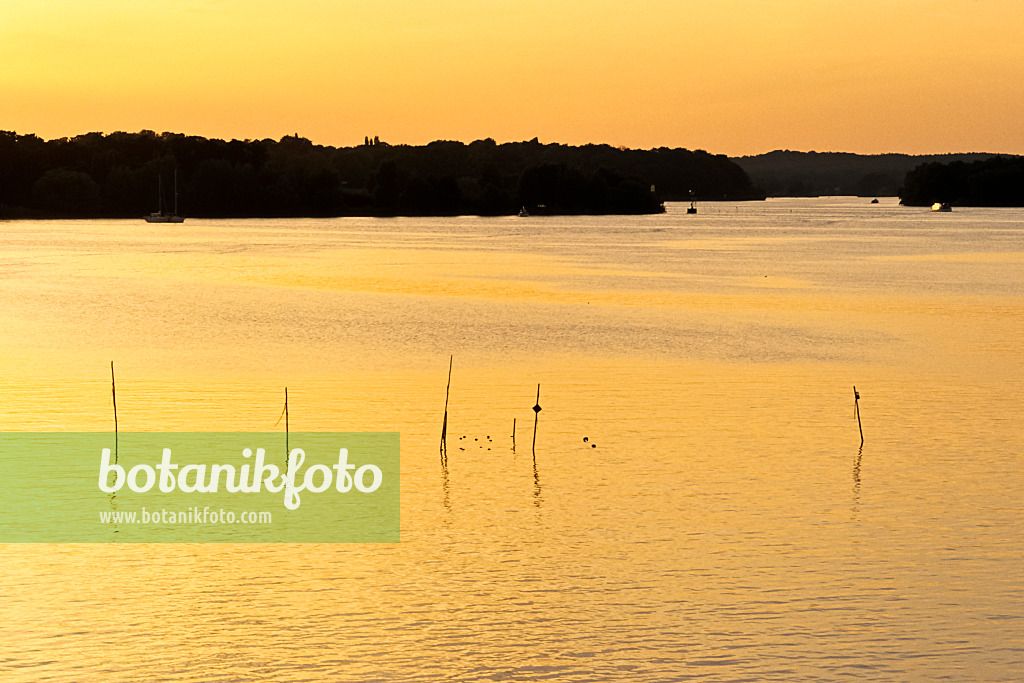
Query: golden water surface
x=697, y=506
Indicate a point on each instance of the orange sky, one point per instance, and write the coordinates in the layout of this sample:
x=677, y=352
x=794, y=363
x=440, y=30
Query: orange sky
x=729, y=76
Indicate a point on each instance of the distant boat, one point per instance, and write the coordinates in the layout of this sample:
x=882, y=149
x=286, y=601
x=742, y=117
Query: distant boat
x=693, y=204
x=160, y=216
x=875, y=200
x=941, y=206
x=523, y=213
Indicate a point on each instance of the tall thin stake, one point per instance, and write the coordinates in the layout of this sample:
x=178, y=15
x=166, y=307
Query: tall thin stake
x=513, y=435
x=447, y=391
x=856, y=409
x=113, y=395
x=287, y=451
x=536, y=414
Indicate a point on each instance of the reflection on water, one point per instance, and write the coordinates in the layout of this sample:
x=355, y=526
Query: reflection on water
x=446, y=499
x=856, y=480
x=711, y=534
x=536, y=482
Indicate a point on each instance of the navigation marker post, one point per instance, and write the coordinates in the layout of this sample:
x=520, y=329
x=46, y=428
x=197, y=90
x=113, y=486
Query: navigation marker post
x=856, y=409
x=536, y=414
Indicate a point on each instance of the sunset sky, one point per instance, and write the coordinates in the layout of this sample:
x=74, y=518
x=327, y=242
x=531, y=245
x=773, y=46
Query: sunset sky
x=729, y=76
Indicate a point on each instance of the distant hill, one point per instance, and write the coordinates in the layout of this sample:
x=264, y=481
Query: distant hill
x=811, y=174
x=118, y=175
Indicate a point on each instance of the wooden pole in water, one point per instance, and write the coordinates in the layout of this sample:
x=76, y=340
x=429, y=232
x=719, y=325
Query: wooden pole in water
x=536, y=414
x=447, y=391
x=856, y=408
x=513, y=434
x=113, y=395
x=287, y=452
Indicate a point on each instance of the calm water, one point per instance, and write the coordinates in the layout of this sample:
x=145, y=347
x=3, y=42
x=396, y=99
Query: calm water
x=719, y=523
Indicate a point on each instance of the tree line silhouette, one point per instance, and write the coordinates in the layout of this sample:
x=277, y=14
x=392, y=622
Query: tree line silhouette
x=117, y=175
x=998, y=181
x=785, y=173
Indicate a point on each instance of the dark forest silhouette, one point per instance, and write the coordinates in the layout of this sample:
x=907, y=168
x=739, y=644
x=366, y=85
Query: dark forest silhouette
x=117, y=175
x=784, y=173
x=998, y=181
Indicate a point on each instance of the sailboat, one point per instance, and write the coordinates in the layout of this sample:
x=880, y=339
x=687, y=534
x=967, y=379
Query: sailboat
x=160, y=216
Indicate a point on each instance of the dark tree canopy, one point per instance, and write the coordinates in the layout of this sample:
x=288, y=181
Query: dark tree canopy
x=118, y=175
x=810, y=174
x=998, y=181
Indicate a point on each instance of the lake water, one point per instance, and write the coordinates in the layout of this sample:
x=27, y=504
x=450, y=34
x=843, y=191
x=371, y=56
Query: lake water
x=697, y=507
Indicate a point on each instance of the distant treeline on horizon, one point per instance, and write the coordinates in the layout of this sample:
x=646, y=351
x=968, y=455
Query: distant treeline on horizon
x=975, y=179
x=118, y=175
